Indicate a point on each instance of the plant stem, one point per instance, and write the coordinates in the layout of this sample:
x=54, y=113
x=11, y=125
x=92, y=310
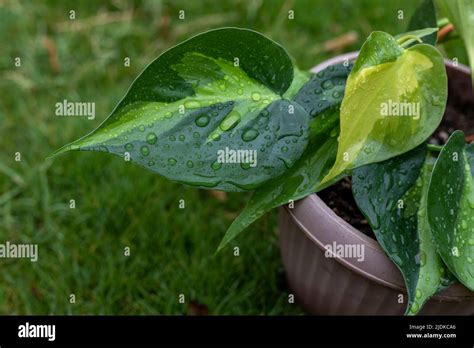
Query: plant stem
x=435, y=148
x=404, y=39
x=442, y=22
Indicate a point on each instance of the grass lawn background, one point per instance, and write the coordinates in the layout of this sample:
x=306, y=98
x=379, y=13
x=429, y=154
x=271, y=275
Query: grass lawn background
x=81, y=251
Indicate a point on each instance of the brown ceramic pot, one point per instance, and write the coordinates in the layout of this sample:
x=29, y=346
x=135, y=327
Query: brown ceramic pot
x=351, y=285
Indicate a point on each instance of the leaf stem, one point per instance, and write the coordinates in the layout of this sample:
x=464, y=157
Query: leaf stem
x=435, y=148
x=404, y=39
x=442, y=22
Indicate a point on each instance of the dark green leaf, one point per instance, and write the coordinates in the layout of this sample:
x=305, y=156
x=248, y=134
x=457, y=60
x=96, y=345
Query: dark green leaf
x=299, y=79
x=425, y=17
x=451, y=207
x=320, y=97
x=214, y=98
x=298, y=182
x=392, y=195
x=324, y=90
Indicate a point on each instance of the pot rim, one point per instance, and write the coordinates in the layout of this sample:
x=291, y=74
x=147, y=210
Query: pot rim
x=351, y=56
x=388, y=275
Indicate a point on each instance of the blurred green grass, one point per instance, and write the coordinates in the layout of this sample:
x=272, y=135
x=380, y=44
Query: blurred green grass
x=81, y=251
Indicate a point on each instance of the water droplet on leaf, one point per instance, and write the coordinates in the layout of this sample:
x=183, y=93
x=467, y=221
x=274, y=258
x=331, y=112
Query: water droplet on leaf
x=151, y=138
x=256, y=96
x=231, y=120
x=250, y=135
x=144, y=150
x=202, y=121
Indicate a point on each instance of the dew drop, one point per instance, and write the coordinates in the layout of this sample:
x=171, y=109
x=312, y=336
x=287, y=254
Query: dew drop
x=216, y=165
x=151, y=138
x=256, y=96
x=422, y=258
x=128, y=147
x=189, y=164
x=171, y=161
x=418, y=293
x=245, y=166
x=250, y=135
x=192, y=104
x=144, y=150
x=202, y=121
x=328, y=84
x=231, y=120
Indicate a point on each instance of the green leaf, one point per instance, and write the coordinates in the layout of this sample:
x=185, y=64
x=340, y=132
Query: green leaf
x=425, y=17
x=451, y=207
x=388, y=80
x=393, y=196
x=298, y=182
x=461, y=14
x=414, y=37
x=214, y=98
x=320, y=97
x=299, y=80
x=324, y=90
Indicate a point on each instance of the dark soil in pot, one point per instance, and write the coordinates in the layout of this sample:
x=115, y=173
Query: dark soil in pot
x=459, y=114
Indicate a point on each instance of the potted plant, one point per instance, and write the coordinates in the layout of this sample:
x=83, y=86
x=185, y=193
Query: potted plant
x=227, y=110
x=361, y=279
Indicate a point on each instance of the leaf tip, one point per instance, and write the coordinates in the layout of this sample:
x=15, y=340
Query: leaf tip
x=62, y=150
x=221, y=246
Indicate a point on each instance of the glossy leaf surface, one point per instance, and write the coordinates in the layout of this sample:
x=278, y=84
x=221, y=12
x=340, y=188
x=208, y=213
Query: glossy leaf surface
x=320, y=97
x=425, y=17
x=451, y=207
x=209, y=113
x=394, y=100
x=393, y=196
